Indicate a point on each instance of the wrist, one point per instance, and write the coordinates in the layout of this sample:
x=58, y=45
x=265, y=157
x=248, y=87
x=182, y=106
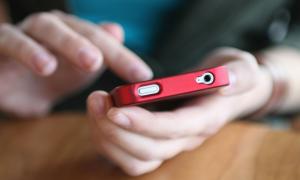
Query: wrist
x=278, y=88
x=256, y=98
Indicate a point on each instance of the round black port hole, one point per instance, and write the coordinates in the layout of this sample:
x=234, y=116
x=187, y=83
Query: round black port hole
x=207, y=78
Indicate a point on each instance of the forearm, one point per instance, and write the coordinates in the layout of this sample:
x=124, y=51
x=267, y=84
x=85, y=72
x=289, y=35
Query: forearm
x=288, y=60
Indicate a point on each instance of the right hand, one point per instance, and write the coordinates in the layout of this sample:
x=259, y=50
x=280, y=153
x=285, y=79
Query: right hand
x=51, y=55
x=139, y=140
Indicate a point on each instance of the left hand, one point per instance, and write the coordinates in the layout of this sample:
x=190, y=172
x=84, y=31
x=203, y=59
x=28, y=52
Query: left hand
x=51, y=55
x=139, y=140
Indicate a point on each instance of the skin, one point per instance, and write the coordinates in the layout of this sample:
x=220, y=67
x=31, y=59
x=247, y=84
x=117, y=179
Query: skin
x=51, y=55
x=139, y=141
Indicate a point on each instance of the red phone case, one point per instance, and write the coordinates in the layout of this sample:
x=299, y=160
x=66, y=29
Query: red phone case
x=170, y=87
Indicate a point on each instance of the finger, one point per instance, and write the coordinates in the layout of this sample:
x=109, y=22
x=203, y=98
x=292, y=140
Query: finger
x=243, y=69
x=98, y=104
x=118, y=58
x=18, y=46
x=115, y=30
x=186, y=121
x=52, y=32
x=128, y=163
x=143, y=147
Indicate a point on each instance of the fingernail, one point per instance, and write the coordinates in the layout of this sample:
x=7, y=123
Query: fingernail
x=89, y=60
x=43, y=63
x=119, y=118
x=232, y=78
x=139, y=75
x=98, y=106
x=232, y=81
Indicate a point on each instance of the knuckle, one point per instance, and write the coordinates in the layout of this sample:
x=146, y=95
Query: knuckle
x=142, y=126
x=193, y=144
x=43, y=17
x=5, y=27
x=71, y=40
x=134, y=169
x=111, y=133
x=250, y=58
x=156, y=154
x=37, y=20
x=68, y=39
x=178, y=130
x=168, y=153
x=137, y=126
x=212, y=127
x=24, y=47
x=92, y=34
x=149, y=155
x=5, y=30
x=173, y=135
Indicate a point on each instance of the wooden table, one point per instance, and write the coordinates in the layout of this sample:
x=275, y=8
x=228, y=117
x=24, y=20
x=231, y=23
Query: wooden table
x=58, y=147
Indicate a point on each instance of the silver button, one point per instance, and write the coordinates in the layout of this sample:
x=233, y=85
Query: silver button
x=148, y=90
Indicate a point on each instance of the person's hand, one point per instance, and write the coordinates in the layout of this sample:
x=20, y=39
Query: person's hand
x=51, y=55
x=139, y=140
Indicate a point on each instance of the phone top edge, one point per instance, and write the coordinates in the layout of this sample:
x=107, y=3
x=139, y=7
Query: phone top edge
x=170, y=87
x=166, y=77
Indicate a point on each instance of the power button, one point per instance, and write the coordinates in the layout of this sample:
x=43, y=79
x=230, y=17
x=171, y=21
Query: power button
x=148, y=90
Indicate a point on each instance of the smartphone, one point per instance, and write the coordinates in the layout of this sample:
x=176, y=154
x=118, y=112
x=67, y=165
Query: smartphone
x=187, y=84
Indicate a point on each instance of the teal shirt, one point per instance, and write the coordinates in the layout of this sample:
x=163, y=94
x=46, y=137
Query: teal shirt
x=142, y=20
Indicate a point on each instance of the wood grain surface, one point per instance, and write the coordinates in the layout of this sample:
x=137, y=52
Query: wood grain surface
x=59, y=148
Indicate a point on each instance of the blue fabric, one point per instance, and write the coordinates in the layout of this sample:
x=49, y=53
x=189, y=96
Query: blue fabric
x=142, y=20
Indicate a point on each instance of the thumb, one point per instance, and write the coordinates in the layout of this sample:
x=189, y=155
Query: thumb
x=114, y=29
x=98, y=103
x=242, y=67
